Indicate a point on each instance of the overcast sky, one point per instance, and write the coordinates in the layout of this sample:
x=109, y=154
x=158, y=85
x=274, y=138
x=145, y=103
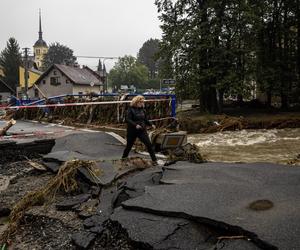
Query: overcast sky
x=89, y=27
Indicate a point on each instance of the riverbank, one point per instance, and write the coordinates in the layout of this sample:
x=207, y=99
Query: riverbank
x=193, y=121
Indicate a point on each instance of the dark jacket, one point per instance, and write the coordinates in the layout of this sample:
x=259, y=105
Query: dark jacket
x=137, y=116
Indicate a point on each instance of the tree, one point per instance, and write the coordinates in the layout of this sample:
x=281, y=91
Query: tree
x=10, y=60
x=277, y=73
x=148, y=56
x=220, y=48
x=58, y=54
x=127, y=71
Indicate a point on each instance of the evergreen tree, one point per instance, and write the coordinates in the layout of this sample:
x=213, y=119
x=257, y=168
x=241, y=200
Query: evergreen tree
x=10, y=60
x=58, y=54
x=228, y=48
x=277, y=50
x=148, y=56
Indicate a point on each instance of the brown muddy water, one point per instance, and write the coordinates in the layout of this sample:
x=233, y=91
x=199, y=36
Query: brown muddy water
x=276, y=145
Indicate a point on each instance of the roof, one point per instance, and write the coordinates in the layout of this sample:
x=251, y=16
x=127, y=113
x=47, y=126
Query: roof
x=40, y=43
x=101, y=73
x=80, y=76
x=35, y=71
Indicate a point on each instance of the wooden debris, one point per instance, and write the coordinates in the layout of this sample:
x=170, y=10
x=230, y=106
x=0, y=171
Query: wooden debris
x=227, y=123
x=8, y=125
x=37, y=166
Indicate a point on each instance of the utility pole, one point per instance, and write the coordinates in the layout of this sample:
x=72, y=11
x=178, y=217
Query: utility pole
x=26, y=50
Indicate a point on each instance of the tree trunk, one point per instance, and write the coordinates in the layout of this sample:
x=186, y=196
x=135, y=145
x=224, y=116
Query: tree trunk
x=284, y=101
x=220, y=100
x=269, y=99
x=298, y=40
x=213, y=103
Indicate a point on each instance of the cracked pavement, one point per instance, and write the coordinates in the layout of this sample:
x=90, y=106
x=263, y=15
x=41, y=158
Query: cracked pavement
x=180, y=206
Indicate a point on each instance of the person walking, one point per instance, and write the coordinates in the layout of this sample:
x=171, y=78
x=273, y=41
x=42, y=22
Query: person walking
x=137, y=123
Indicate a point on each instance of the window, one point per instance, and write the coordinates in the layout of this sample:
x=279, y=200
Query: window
x=44, y=81
x=38, y=51
x=55, y=81
x=67, y=81
x=54, y=72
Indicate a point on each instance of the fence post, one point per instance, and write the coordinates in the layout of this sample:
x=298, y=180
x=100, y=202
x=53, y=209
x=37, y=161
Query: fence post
x=173, y=104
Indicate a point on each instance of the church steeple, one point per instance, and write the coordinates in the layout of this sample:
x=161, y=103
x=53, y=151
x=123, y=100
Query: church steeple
x=99, y=68
x=40, y=30
x=40, y=42
x=40, y=47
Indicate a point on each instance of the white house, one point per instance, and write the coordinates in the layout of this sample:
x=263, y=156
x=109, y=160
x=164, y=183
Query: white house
x=61, y=79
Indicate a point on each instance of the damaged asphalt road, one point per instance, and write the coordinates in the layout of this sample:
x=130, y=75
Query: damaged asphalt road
x=132, y=205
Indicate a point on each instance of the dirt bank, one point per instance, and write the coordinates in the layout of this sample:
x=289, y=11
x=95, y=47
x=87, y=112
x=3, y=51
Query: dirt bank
x=194, y=121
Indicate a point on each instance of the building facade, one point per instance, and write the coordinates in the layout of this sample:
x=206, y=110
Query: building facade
x=33, y=76
x=62, y=79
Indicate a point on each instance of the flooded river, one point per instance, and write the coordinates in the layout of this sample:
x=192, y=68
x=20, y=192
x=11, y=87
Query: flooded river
x=276, y=145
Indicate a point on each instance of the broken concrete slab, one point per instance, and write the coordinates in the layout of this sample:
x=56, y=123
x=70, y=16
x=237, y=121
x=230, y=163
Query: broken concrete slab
x=135, y=185
x=53, y=166
x=221, y=193
x=231, y=244
x=97, y=230
x=83, y=239
x=107, y=197
x=88, y=208
x=111, y=171
x=162, y=232
x=86, y=146
x=94, y=221
x=70, y=202
x=27, y=131
x=107, y=174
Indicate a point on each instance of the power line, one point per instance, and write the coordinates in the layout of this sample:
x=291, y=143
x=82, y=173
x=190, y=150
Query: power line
x=99, y=57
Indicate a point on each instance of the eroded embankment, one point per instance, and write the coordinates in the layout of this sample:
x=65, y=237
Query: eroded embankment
x=194, y=122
